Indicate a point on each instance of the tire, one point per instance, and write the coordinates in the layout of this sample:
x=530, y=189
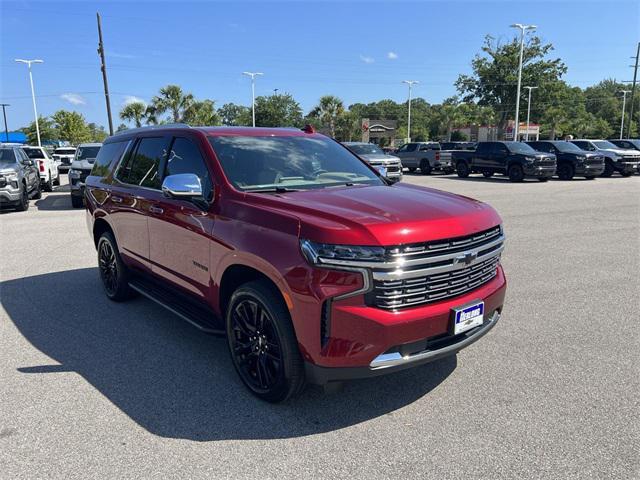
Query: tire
x=412, y=169
x=462, y=169
x=37, y=193
x=487, y=174
x=425, y=167
x=566, y=171
x=56, y=182
x=48, y=185
x=76, y=202
x=262, y=343
x=23, y=206
x=113, y=272
x=516, y=174
x=608, y=168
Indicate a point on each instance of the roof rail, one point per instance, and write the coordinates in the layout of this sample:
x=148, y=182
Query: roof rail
x=152, y=127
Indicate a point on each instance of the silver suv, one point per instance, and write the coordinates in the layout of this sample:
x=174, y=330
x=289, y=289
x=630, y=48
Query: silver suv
x=388, y=165
x=81, y=166
x=616, y=159
x=19, y=178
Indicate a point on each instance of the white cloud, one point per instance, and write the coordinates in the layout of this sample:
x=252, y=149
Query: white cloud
x=366, y=59
x=392, y=55
x=112, y=54
x=73, y=98
x=131, y=99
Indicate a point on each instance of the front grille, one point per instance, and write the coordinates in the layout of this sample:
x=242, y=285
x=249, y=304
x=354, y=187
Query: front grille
x=433, y=271
x=544, y=162
x=594, y=160
x=393, y=169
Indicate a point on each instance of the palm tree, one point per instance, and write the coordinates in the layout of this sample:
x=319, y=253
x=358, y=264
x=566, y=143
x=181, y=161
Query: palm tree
x=173, y=100
x=328, y=111
x=134, y=112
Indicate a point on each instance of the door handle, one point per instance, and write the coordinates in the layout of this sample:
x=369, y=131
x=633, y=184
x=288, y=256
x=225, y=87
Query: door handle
x=156, y=210
x=116, y=199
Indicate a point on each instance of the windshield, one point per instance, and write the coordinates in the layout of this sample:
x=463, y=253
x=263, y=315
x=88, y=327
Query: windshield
x=519, y=147
x=289, y=162
x=365, y=149
x=7, y=157
x=64, y=151
x=568, y=147
x=34, y=152
x=87, y=152
x=604, y=144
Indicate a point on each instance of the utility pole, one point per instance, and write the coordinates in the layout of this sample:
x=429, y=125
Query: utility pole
x=529, y=112
x=523, y=30
x=103, y=67
x=411, y=83
x=633, y=91
x=253, y=93
x=33, y=93
x=624, y=98
x=4, y=114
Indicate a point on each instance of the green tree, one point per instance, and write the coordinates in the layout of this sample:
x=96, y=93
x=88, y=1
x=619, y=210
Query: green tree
x=97, y=133
x=47, y=130
x=278, y=111
x=202, y=113
x=122, y=127
x=134, y=112
x=71, y=126
x=348, y=127
x=328, y=111
x=232, y=114
x=173, y=100
x=495, y=75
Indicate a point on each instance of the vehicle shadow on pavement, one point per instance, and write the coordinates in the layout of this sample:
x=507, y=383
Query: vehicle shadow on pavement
x=55, y=201
x=175, y=381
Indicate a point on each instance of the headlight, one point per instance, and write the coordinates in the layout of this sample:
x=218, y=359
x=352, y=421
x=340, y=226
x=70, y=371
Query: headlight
x=75, y=173
x=581, y=158
x=12, y=177
x=318, y=253
x=530, y=159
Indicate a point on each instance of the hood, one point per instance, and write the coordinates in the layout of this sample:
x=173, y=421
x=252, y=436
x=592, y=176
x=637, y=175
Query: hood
x=8, y=169
x=382, y=215
x=379, y=158
x=86, y=164
x=619, y=151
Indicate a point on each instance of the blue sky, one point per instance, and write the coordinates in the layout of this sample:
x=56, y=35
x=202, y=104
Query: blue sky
x=359, y=51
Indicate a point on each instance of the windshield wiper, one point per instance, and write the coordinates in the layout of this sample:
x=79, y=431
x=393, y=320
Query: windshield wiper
x=272, y=190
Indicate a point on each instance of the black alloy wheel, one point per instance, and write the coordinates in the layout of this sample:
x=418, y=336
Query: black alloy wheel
x=37, y=192
x=462, y=169
x=23, y=206
x=113, y=272
x=262, y=343
x=608, y=168
x=48, y=185
x=425, y=167
x=516, y=174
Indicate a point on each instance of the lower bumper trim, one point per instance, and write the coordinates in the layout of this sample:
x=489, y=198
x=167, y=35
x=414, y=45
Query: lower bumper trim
x=393, y=362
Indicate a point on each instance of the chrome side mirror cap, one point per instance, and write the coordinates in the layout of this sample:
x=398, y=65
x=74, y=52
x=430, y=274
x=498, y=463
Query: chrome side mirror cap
x=182, y=185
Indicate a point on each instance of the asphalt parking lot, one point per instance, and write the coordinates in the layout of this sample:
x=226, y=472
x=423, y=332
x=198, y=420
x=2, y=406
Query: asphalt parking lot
x=95, y=389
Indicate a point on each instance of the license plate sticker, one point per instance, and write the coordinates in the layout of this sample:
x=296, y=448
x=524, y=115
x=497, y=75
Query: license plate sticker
x=466, y=318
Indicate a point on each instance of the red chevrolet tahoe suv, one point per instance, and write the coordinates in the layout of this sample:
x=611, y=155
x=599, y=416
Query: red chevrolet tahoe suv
x=315, y=267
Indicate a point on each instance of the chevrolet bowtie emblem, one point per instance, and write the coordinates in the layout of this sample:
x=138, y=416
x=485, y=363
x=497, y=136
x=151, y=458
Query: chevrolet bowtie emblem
x=466, y=258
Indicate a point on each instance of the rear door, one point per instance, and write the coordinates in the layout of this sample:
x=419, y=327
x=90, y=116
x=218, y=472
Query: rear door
x=498, y=157
x=407, y=154
x=135, y=189
x=482, y=156
x=180, y=230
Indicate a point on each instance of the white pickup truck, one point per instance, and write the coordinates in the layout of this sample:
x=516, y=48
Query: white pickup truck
x=427, y=156
x=47, y=167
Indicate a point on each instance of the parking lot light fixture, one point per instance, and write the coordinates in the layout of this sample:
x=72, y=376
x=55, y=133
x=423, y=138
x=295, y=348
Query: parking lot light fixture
x=528, y=111
x=624, y=101
x=253, y=76
x=33, y=95
x=410, y=83
x=523, y=30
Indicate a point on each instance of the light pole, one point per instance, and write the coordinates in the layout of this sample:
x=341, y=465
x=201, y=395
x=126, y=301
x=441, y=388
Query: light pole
x=33, y=95
x=523, y=29
x=624, y=99
x=4, y=114
x=529, y=112
x=410, y=83
x=253, y=76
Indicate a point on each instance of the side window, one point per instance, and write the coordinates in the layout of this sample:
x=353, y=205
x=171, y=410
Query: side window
x=403, y=148
x=185, y=157
x=411, y=147
x=500, y=148
x=107, y=153
x=143, y=166
x=484, y=147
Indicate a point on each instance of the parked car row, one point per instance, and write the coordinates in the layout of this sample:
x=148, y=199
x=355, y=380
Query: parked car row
x=541, y=159
x=27, y=170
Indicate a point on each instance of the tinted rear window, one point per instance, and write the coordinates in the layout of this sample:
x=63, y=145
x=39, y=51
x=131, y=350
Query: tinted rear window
x=34, y=152
x=108, y=153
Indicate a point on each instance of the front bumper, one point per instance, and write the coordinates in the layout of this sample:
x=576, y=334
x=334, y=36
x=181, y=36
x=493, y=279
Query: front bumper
x=10, y=196
x=539, y=171
x=394, y=362
x=626, y=167
x=589, y=170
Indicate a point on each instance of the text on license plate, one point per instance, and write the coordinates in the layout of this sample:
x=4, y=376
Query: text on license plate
x=466, y=318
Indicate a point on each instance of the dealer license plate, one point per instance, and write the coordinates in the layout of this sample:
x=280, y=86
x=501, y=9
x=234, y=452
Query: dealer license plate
x=468, y=317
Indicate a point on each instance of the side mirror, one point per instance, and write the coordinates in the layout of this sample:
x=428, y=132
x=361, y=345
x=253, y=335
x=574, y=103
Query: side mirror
x=28, y=163
x=183, y=185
